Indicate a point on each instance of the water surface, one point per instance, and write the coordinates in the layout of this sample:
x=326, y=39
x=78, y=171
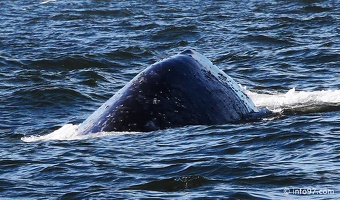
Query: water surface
x=60, y=60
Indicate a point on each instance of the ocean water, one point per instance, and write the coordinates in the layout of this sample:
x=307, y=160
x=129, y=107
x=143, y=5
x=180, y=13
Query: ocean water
x=61, y=59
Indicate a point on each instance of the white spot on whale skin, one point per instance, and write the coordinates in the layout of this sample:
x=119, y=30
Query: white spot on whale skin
x=155, y=101
x=141, y=79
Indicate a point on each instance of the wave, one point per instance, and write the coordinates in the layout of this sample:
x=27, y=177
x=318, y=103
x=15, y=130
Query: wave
x=291, y=102
x=172, y=184
x=47, y=1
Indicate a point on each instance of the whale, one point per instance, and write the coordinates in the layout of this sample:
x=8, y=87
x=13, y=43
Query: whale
x=185, y=89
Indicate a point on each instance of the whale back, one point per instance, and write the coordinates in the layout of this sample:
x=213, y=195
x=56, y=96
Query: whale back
x=185, y=89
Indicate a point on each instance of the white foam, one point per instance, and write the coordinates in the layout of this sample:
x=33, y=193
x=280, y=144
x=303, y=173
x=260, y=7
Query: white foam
x=68, y=132
x=277, y=101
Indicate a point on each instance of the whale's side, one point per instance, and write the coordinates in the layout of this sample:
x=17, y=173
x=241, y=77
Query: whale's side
x=186, y=89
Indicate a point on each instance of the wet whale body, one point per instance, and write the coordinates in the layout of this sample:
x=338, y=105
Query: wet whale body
x=185, y=89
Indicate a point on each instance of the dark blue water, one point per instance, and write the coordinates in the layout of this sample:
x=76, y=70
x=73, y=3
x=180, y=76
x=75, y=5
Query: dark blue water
x=60, y=60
